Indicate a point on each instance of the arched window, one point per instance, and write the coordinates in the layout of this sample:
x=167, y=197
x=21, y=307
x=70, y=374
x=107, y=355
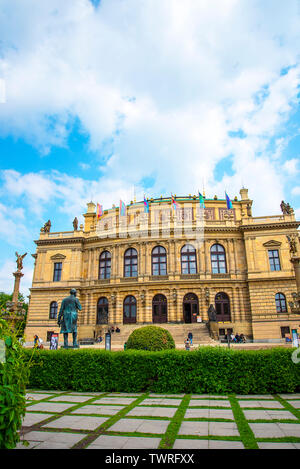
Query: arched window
x=159, y=261
x=129, y=310
x=102, y=311
x=130, y=263
x=280, y=303
x=53, y=310
x=222, y=304
x=159, y=309
x=188, y=260
x=218, y=259
x=104, y=265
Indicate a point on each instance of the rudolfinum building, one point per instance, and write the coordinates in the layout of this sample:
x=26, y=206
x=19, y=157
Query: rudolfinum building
x=166, y=266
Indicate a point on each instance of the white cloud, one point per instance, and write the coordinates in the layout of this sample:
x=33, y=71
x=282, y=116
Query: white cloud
x=172, y=78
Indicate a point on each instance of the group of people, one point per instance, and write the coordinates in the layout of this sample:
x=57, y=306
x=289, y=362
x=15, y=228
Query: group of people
x=237, y=338
x=38, y=342
x=112, y=329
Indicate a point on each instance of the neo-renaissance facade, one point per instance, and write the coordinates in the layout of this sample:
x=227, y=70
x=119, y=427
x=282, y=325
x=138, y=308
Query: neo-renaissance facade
x=168, y=266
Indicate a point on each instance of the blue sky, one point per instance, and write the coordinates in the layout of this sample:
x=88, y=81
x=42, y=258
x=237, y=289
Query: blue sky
x=99, y=98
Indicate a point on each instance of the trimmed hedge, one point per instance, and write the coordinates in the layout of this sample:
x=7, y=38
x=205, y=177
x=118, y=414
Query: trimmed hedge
x=215, y=370
x=152, y=338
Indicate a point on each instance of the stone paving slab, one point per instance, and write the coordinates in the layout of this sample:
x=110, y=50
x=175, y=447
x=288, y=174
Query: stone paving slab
x=278, y=445
x=209, y=403
x=124, y=394
x=98, y=409
x=69, y=398
x=275, y=430
x=207, y=396
x=161, y=401
x=257, y=396
x=166, y=395
x=124, y=442
x=264, y=404
x=207, y=444
x=290, y=397
x=115, y=400
x=49, y=407
x=76, y=423
x=37, y=396
x=53, y=440
x=295, y=404
x=33, y=418
x=209, y=428
x=209, y=413
x=153, y=411
x=269, y=415
x=140, y=425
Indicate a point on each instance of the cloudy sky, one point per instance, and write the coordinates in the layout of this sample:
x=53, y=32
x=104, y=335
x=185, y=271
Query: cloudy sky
x=100, y=97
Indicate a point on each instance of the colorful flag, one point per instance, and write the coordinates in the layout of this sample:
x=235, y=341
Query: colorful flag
x=228, y=202
x=122, y=209
x=146, y=205
x=174, y=203
x=201, y=201
x=99, y=211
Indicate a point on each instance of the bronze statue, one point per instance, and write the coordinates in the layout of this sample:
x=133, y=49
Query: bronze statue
x=68, y=317
x=20, y=261
x=75, y=224
x=212, y=314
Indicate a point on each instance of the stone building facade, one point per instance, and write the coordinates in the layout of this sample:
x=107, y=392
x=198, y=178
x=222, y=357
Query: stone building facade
x=168, y=266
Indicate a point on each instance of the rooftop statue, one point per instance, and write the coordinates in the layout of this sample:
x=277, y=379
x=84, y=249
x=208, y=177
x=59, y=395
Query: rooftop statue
x=75, y=224
x=46, y=227
x=286, y=208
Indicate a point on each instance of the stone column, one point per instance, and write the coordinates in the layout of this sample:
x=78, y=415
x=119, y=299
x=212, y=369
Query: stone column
x=18, y=275
x=296, y=263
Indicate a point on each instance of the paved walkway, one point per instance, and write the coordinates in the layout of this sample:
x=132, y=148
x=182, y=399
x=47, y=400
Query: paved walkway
x=71, y=420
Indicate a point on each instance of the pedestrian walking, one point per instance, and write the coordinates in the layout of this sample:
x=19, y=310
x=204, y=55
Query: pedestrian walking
x=190, y=337
x=187, y=344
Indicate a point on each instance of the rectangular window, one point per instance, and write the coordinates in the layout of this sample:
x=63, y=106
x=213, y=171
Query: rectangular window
x=57, y=271
x=274, y=260
x=284, y=330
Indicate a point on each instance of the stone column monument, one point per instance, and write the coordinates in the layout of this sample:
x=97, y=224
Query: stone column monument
x=15, y=306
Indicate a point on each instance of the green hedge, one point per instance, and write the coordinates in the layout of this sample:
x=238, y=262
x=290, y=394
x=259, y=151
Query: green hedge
x=152, y=338
x=214, y=370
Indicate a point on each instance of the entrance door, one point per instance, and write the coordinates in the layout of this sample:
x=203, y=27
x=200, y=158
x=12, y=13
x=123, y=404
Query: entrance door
x=222, y=307
x=159, y=309
x=190, y=308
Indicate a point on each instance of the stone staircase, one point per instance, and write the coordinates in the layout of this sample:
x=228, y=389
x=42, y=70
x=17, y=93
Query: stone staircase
x=179, y=333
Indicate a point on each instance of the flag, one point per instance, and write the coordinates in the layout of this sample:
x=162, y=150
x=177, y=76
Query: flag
x=122, y=209
x=99, y=211
x=228, y=202
x=146, y=205
x=174, y=203
x=201, y=201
